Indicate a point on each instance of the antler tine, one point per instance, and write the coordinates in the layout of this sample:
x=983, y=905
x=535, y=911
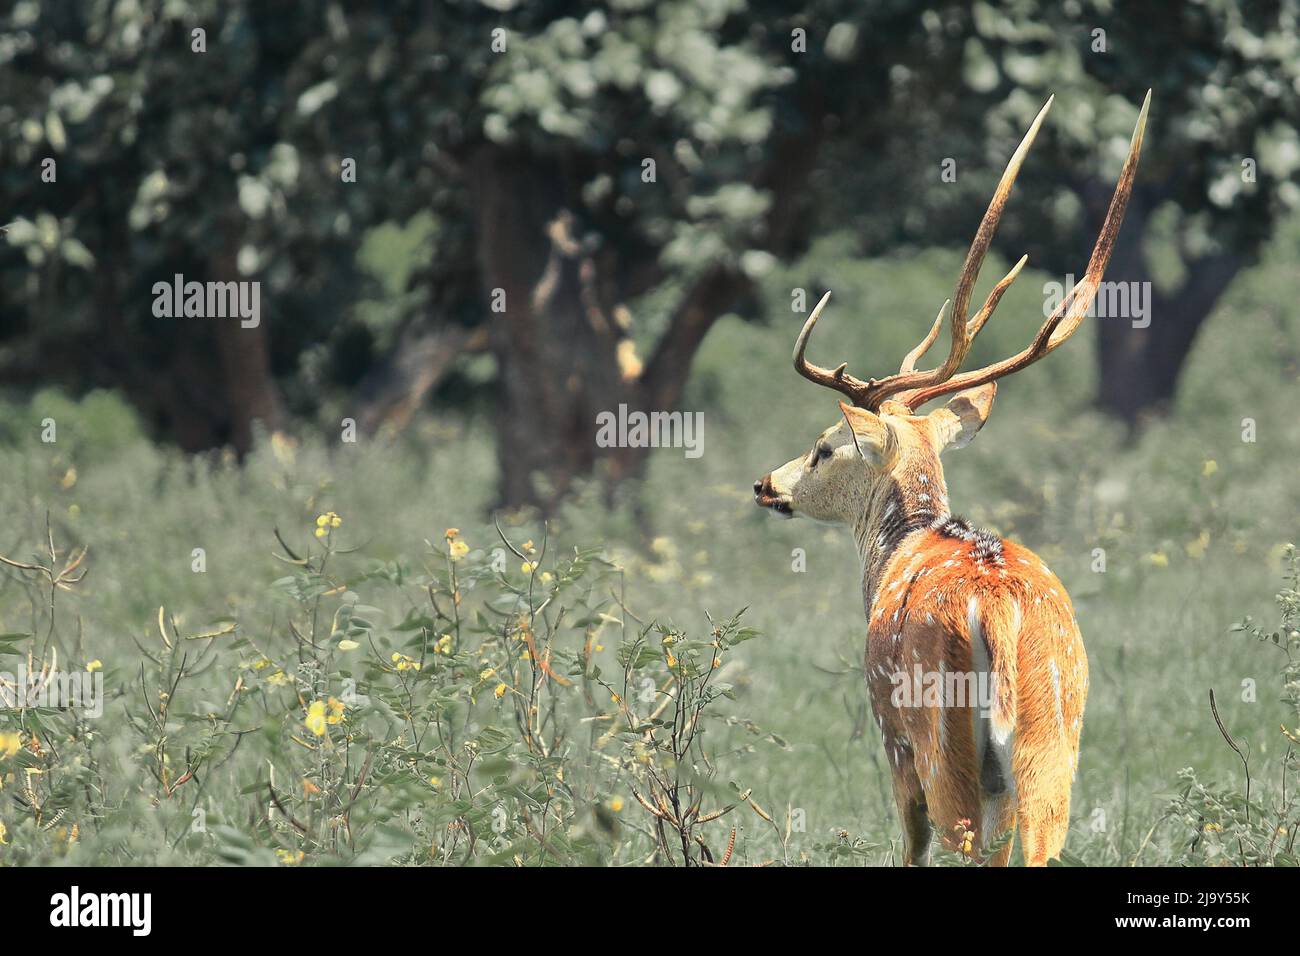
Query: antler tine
x=914, y=356
x=1067, y=316
x=835, y=378
x=972, y=328
x=994, y=298
x=908, y=379
x=980, y=245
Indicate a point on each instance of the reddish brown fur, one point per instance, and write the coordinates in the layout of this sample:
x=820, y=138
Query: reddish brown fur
x=921, y=615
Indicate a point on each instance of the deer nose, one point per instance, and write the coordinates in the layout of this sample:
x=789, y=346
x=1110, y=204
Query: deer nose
x=763, y=486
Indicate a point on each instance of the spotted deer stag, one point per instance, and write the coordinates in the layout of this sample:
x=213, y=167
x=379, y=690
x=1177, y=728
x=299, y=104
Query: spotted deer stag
x=960, y=606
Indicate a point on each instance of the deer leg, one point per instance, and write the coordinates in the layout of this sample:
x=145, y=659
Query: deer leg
x=912, y=814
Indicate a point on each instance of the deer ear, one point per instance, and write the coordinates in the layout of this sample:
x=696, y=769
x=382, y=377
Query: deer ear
x=870, y=434
x=958, y=422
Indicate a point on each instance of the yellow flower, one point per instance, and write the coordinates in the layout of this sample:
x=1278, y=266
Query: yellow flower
x=1196, y=549
x=451, y=533
x=459, y=549
x=527, y=567
x=94, y=665
x=278, y=679
x=336, y=711
x=546, y=577
x=320, y=532
x=1213, y=827
x=616, y=804
x=289, y=857
x=405, y=663
x=443, y=646
x=487, y=673
x=3, y=833
x=315, y=721
x=435, y=781
x=261, y=663
x=1209, y=467
x=335, y=520
x=1158, y=559
x=672, y=661
x=500, y=691
x=528, y=546
x=346, y=645
x=10, y=744
x=322, y=521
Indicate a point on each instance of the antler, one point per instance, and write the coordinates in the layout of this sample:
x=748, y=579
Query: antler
x=913, y=388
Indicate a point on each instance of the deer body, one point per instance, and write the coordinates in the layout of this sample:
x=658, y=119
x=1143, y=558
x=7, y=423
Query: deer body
x=963, y=603
x=974, y=663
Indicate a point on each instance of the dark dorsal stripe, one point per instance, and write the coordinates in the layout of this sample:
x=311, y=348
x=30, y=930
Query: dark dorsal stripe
x=988, y=546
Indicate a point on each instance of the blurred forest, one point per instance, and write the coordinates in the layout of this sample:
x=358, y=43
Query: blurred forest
x=580, y=191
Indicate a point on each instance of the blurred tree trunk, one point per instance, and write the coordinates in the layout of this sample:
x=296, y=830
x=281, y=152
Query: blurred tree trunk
x=249, y=392
x=392, y=390
x=1139, y=367
x=551, y=328
x=562, y=338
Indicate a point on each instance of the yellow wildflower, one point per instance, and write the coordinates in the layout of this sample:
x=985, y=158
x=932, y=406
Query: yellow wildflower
x=320, y=532
x=527, y=567
x=546, y=577
x=405, y=663
x=616, y=804
x=459, y=549
x=451, y=533
x=487, y=673
x=1158, y=559
x=528, y=546
x=315, y=721
x=289, y=857
x=500, y=691
x=278, y=679
x=443, y=645
x=336, y=711
x=10, y=744
x=3, y=833
x=94, y=665
x=1209, y=467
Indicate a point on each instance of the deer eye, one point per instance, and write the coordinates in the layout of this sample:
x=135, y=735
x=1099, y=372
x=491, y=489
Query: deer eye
x=820, y=453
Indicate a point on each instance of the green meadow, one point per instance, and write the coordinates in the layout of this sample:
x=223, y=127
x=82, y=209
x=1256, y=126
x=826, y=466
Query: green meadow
x=417, y=686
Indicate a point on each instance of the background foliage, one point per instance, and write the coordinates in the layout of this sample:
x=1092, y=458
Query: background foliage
x=372, y=694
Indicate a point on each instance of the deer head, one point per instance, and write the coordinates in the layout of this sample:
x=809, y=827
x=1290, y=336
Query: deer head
x=882, y=457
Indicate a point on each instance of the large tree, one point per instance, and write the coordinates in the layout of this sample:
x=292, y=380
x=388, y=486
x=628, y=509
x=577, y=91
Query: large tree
x=1220, y=164
x=572, y=161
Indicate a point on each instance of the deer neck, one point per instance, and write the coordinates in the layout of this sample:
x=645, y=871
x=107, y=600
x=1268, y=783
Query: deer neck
x=913, y=498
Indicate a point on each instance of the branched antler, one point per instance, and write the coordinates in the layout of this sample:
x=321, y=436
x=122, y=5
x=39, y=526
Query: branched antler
x=914, y=388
